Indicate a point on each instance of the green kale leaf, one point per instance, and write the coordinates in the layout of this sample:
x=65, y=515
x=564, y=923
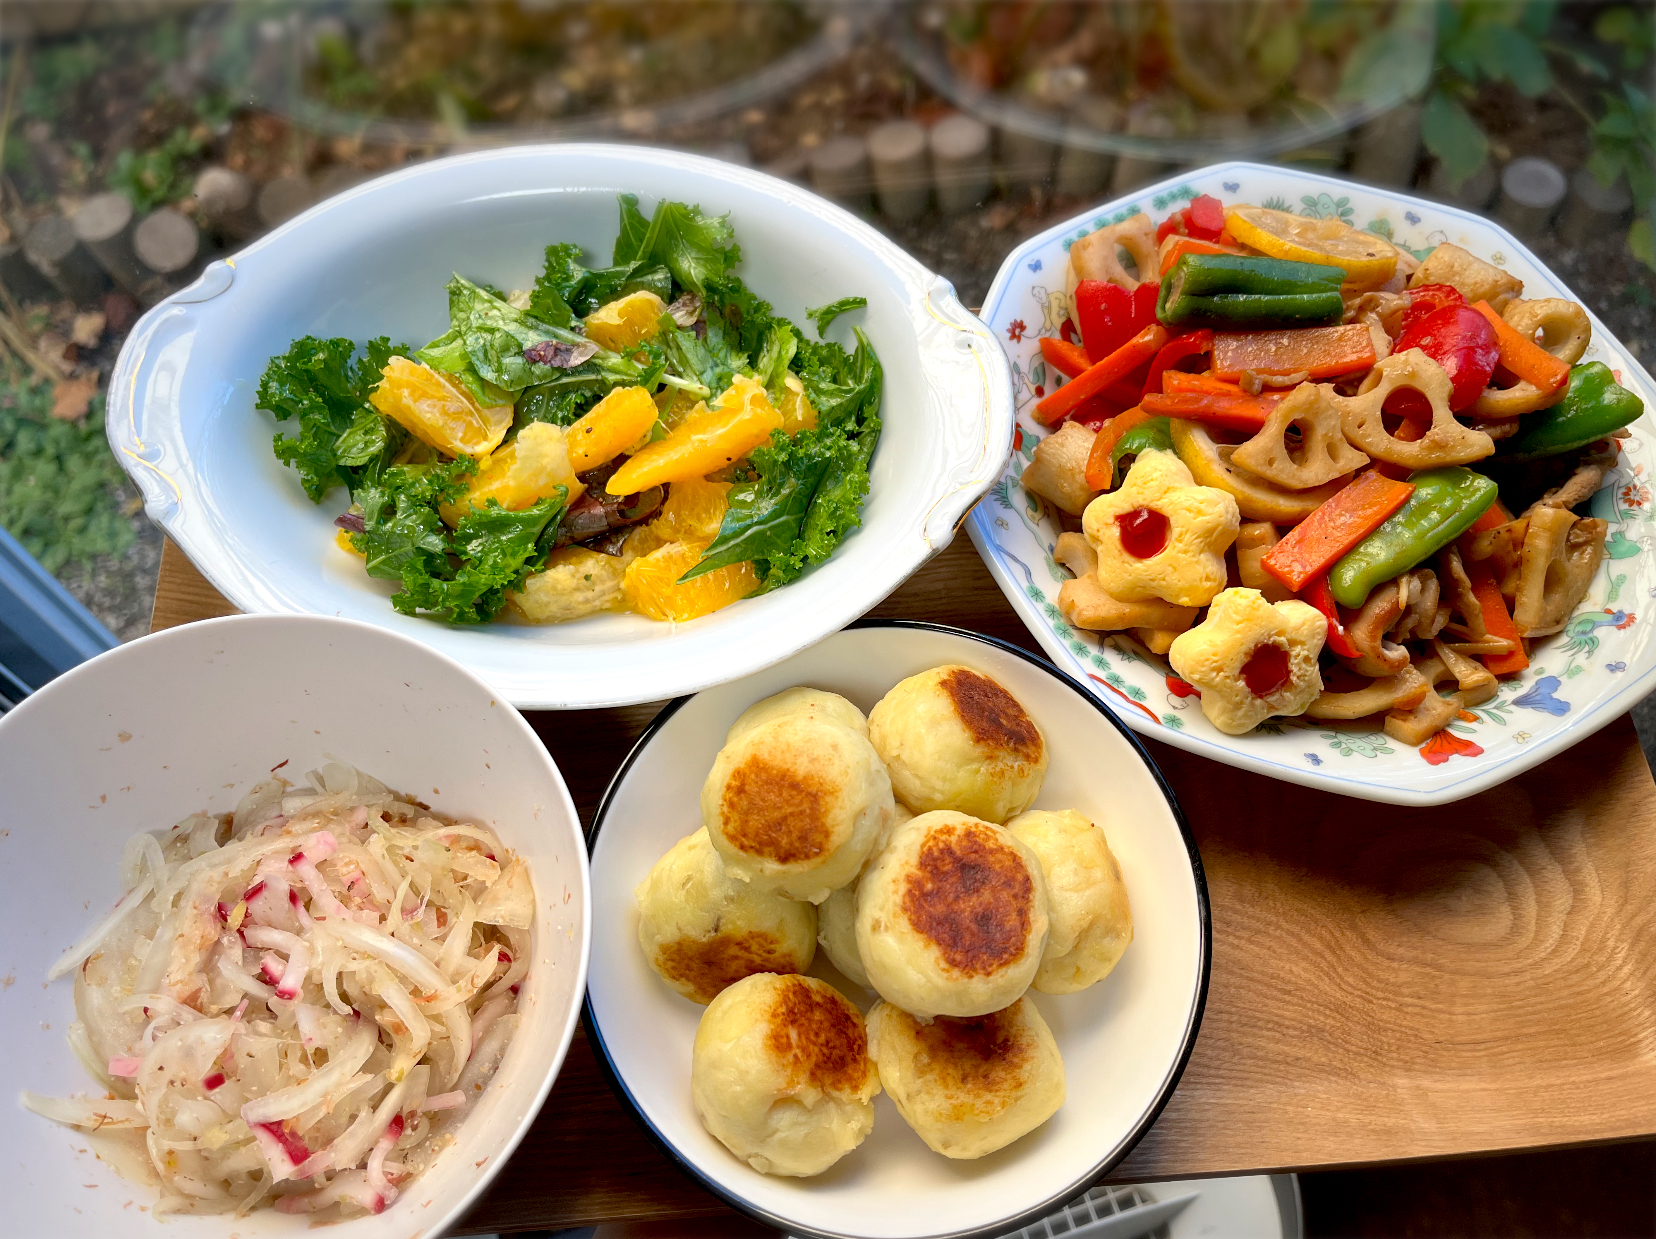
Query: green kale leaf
x=497, y=549
x=693, y=246
x=840, y=385
x=317, y=383
x=403, y=537
x=566, y=290
x=823, y=315
x=561, y=402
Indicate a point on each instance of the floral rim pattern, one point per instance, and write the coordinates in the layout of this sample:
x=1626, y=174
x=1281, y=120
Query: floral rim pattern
x=1578, y=679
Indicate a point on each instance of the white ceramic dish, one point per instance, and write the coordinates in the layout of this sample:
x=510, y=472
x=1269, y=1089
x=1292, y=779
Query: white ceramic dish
x=1596, y=669
x=374, y=261
x=187, y=719
x=1124, y=1041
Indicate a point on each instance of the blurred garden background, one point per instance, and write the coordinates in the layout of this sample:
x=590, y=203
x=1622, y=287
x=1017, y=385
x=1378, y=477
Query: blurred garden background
x=141, y=139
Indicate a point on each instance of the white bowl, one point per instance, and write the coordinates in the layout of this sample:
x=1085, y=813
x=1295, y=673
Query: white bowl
x=188, y=719
x=1597, y=669
x=1124, y=1041
x=374, y=261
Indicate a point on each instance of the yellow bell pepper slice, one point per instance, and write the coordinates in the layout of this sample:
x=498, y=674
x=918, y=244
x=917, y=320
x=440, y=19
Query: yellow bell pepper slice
x=610, y=427
x=438, y=411
x=705, y=441
x=524, y=472
x=627, y=321
x=1367, y=259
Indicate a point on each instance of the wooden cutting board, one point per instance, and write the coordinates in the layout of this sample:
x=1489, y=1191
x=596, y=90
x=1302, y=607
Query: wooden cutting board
x=1388, y=983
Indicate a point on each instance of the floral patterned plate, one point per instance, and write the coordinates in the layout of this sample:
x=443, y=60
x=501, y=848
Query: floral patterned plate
x=1598, y=667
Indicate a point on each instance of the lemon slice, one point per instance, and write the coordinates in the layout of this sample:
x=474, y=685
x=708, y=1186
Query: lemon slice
x=1367, y=259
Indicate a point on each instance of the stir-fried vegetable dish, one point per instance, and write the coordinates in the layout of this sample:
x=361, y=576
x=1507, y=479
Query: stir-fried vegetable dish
x=1319, y=474
x=646, y=435
x=296, y=1003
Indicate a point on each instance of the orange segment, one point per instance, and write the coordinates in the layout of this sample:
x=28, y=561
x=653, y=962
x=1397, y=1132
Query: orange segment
x=797, y=411
x=626, y=321
x=342, y=539
x=705, y=441
x=437, y=411
x=651, y=585
x=525, y=471
x=610, y=427
x=692, y=513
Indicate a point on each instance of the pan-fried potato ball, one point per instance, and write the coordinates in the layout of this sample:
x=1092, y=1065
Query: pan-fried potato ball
x=780, y=1074
x=1091, y=920
x=837, y=923
x=702, y=930
x=969, y=1087
x=795, y=805
x=952, y=738
x=952, y=917
x=812, y=702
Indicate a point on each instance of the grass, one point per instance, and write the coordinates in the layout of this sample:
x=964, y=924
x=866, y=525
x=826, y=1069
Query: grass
x=60, y=488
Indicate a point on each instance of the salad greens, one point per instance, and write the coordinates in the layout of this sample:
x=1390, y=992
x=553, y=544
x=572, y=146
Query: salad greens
x=799, y=495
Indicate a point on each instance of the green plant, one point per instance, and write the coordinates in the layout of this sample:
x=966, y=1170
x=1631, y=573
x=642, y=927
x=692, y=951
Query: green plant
x=1634, y=32
x=60, y=488
x=155, y=177
x=57, y=72
x=1624, y=144
x=1478, y=41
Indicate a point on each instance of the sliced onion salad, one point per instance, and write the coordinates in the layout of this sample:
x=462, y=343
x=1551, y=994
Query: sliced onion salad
x=298, y=1016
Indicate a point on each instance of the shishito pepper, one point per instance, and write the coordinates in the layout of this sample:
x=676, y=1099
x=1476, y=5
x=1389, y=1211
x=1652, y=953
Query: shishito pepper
x=1154, y=435
x=1227, y=290
x=1445, y=504
x=1594, y=406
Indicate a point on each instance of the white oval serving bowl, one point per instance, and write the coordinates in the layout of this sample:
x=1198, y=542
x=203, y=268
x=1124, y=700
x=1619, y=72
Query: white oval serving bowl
x=374, y=261
x=1598, y=668
x=188, y=719
x=1124, y=1040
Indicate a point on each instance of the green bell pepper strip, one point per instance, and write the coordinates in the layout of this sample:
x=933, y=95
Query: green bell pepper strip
x=1445, y=504
x=1155, y=435
x=1594, y=406
x=1230, y=290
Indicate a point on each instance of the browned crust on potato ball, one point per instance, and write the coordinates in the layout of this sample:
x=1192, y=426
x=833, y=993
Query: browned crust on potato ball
x=992, y=715
x=775, y=812
x=709, y=965
x=819, y=1034
x=970, y=894
x=988, y=1056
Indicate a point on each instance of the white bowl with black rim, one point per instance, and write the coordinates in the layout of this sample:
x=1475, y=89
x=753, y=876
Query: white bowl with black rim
x=1124, y=1041
x=374, y=261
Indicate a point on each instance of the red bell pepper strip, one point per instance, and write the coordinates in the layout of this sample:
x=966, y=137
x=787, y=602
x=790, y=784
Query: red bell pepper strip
x=1066, y=358
x=1317, y=593
x=1119, y=364
x=1460, y=340
x=1125, y=391
x=1205, y=218
x=1316, y=352
x=1099, y=470
x=1525, y=359
x=1497, y=620
x=1104, y=312
x=1173, y=225
x=1175, y=247
x=1180, y=348
x=1350, y=515
x=1234, y=412
x=1095, y=414
x=1428, y=299
x=1144, y=305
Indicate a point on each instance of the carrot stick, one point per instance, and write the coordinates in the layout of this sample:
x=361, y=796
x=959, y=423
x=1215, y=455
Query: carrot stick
x=1098, y=460
x=1175, y=247
x=1318, y=352
x=1525, y=359
x=1234, y=412
x=1175, y=382
x=1497, y=620
x=1066, y=358
x=1494, y=516
x=1119, y=364
x=1353, y=513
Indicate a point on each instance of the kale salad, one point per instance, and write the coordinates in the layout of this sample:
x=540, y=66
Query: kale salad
x=646, y=436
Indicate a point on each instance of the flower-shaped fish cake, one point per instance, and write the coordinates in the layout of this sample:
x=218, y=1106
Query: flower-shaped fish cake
x=1252, y=659
x=1162, y=536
